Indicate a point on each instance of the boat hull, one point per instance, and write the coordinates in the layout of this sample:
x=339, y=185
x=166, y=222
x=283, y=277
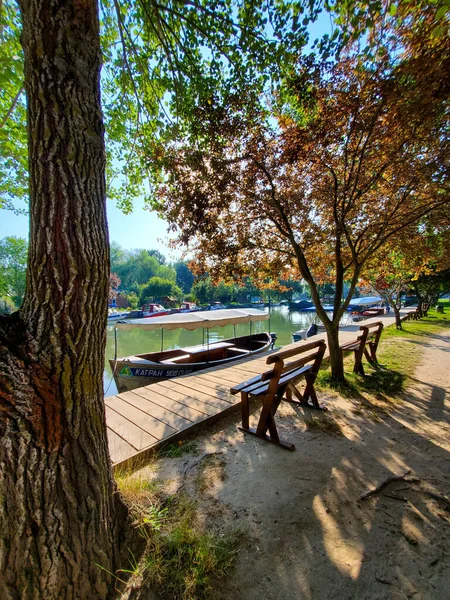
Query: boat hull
x=138, y=371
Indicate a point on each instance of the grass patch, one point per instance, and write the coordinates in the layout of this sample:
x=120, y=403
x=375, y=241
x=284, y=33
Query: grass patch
x=381, y=380
x=322, y=422
x=137, y=489
x=399, y=354
x=211, y=471
x=178, y=449
x=399, y=351
x=183, y=557
x=347, y=388
x=182, y=560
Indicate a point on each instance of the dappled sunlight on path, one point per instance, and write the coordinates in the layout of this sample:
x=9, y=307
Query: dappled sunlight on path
x=310, y=533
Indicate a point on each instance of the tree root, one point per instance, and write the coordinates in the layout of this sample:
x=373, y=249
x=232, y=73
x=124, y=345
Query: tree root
x=436, y=496
x=383, y=484
x=439, y=497
x=192, y=466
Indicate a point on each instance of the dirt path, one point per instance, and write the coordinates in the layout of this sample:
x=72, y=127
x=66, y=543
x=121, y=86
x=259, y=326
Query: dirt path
x=309, y=536
x=307, y=533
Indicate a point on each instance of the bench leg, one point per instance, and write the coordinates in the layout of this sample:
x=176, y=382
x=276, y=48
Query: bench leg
x=281, y=443
x=309, y=392
x=267, y=423
x=245, y=410
x=358, y=368
x=370, y=354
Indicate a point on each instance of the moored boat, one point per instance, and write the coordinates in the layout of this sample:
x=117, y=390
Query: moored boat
x=301, y=305
x=143, y=369
x=154, y=310
x=115, y=315
x=188, y=307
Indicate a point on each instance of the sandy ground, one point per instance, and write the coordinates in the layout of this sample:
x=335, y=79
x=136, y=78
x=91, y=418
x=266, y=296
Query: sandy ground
x=307, y=532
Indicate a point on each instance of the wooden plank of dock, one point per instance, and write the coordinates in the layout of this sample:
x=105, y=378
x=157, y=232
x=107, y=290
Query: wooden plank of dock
x=142, y=421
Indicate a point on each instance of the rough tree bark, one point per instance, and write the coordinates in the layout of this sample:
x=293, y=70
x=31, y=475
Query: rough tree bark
x=398, y=318
x=60, y=517
x=336, y=359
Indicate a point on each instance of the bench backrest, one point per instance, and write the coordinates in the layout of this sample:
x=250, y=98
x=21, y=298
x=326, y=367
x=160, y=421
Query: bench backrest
x=373, y=330
x=313, y=351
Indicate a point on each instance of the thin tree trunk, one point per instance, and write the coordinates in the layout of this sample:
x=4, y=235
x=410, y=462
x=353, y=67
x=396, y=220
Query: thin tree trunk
x=60, y=518
x=336, y=359
x=398, y=320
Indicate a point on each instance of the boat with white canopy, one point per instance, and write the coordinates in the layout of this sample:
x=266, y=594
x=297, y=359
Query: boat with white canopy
x=142, y=369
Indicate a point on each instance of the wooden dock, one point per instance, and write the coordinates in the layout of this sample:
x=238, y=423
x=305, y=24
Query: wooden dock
x=141, y=421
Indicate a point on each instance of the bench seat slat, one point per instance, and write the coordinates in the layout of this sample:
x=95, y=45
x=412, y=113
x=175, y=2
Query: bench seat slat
x=350, y=346
x=260, y=388
x=241, y=386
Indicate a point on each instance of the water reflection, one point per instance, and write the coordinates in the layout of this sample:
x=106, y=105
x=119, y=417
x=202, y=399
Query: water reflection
x=283, y=322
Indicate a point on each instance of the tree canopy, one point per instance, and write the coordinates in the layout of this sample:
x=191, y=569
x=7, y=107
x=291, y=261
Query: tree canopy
x=13, y=135
x=172, y=71
x=161, y=64
x=359, y=152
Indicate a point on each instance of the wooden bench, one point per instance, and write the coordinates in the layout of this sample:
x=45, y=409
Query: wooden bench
x=418, y=313
x=422, y=311
x=272, y=385
x=365, y=344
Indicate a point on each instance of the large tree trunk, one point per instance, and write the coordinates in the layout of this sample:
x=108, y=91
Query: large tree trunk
x=60, y=518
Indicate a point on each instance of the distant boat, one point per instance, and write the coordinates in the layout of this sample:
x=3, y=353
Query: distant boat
x=326, y=307
x=217, y=306
x=365, y=304
x=188, y=307
x=115, y=315
x=153, y=310
x=302, y=334
x=301, y=305
x=149, y=310
x=143, y=369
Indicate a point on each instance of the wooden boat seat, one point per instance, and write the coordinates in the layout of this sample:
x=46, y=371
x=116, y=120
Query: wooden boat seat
x=138, y=359
x=231, y=352
x=177, y=359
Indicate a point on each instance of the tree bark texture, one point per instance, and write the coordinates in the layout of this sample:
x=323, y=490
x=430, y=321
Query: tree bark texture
x=336, y=358
x=60, y=519
x=398, y=318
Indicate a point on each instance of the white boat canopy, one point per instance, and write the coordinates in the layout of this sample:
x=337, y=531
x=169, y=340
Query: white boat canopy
x=206, y=319
x=363, y=301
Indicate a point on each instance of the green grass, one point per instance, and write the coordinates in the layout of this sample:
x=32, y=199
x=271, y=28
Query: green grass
x=398, y=349
x=136, y=488
x=322, y=422
x=178, y=449
x=182, y=560
x=183, y=557
x=399, y=354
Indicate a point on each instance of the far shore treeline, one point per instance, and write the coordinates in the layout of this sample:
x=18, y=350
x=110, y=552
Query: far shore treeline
x=143, y=275
x=139, y=276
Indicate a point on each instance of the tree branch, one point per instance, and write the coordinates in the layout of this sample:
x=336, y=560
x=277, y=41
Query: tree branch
x=12, y=107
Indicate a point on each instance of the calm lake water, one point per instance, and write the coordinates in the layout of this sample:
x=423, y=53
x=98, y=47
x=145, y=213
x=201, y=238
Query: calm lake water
x=282, y=322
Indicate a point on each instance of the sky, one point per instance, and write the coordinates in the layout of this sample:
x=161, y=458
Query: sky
x=140, y=229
